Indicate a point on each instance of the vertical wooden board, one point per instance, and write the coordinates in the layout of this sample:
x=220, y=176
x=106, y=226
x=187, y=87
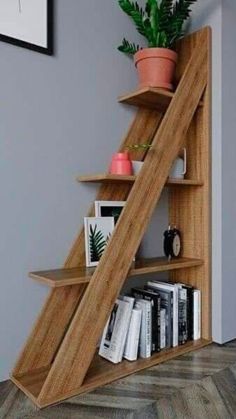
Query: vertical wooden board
x=190, y=209
x=79, y=345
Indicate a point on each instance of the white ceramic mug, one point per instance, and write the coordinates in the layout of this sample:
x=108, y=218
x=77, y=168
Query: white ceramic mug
x=179, y=167
x=137, y=166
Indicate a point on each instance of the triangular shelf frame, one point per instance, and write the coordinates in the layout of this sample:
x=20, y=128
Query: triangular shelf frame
x=58, y=360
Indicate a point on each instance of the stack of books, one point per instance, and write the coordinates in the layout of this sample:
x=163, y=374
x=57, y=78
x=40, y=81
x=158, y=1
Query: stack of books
x=159, y=316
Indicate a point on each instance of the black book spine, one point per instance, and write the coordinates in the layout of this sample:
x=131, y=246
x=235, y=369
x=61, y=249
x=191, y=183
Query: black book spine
x=156, y=315
x=189, y=312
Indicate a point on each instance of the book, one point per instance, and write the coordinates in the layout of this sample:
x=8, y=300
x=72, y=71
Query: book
x=163, y=329
x=196, y=314
x=154, y=298
x=182, y=307
x=175, y=289
x=189, y=290
x=130, y=301
x=113, y=334
x=145, y=341
x=167, y=304
x=133, y=335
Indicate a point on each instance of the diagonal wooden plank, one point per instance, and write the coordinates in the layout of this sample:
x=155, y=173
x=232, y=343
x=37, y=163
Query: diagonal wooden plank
x=48, y=331
x=78, y=348
x=142, y=130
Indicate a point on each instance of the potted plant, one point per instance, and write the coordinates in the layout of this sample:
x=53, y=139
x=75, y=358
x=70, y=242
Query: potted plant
x=137, y=164
x=161, y=23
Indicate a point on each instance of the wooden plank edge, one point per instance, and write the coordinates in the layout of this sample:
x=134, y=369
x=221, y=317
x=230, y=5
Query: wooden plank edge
x=106, y=177
x=24, y=389
x=147, y=363
x=166, y=268
x=125, y=98
x=133, y=272
x=58, y=284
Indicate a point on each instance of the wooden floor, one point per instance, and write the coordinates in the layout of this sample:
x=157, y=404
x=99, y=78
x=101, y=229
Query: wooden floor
x=198, y=385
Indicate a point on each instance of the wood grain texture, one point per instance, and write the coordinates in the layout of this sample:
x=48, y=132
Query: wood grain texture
x=47, y=334
x=48, y=330
x=71, y=344
x=149, y=97
x=100, y=373
x=145, y=125
x=77, y=350
x=82, y=275
x=108, y=178
x=190, y=210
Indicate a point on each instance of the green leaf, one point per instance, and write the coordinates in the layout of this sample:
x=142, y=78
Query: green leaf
x=97, y=243
x=161, y=22
x=181, y=13
x=128, y=48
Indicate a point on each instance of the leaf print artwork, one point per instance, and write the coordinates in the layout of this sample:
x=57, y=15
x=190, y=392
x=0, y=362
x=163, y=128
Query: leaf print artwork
x=97, y=243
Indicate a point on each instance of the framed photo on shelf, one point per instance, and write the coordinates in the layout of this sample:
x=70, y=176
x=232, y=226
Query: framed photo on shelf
x=28, y=24
x=109, y=209
x=98, y=231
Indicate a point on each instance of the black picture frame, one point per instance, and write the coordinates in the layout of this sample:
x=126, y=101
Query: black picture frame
x=50, y=32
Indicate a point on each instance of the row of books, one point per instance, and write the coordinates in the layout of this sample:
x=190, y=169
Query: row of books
x=157, y=317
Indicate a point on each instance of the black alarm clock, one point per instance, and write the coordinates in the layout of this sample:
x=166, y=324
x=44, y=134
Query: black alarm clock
x=172, y=242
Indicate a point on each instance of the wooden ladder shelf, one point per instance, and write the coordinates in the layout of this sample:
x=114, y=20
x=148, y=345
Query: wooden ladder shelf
x=59, y=359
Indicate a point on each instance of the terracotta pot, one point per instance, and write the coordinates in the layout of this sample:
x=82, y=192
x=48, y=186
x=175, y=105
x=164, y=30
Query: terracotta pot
x=156, y=67
x=121, y=164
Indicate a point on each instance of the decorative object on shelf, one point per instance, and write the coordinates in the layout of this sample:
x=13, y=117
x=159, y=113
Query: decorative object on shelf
x=121, y=164
x=28, y=24
x=109, y=209
x=136, y=164
x=172, y=242
x=98, y=231
x=179, y=167
x=161, y=23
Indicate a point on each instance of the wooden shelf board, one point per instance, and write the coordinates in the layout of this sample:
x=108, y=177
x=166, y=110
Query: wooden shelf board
x=107, y=178
x=149, y=97
x=101, y=372
x=65, y=277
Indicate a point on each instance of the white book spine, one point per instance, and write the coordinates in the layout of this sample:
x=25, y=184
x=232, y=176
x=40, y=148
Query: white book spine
x=163, y=328
x=176, y=317
x=110, y=346
x=132, y=342
x=149, y=329
x=145, y=341
x=130, y=304
x=196, y=314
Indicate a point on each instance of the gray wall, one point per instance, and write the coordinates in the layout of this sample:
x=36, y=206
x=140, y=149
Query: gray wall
x=228, y=172
x=58, y=118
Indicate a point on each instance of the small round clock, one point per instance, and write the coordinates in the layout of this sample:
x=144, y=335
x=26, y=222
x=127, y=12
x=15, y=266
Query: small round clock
x=172, y=242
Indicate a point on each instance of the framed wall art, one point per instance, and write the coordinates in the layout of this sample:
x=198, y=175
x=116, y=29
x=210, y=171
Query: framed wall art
x=27, y=23
x=109, y=209
x=98, y=231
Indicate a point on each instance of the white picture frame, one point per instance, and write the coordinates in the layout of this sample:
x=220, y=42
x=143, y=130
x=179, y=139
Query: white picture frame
x=96, y=229
x=27, y=23
x=109, y=209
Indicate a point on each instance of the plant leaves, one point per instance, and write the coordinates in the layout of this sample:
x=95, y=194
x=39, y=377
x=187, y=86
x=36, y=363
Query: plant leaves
x=161, y=22
x=97, y=243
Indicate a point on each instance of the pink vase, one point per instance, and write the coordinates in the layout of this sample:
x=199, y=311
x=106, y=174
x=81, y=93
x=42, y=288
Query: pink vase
x=121, y=164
